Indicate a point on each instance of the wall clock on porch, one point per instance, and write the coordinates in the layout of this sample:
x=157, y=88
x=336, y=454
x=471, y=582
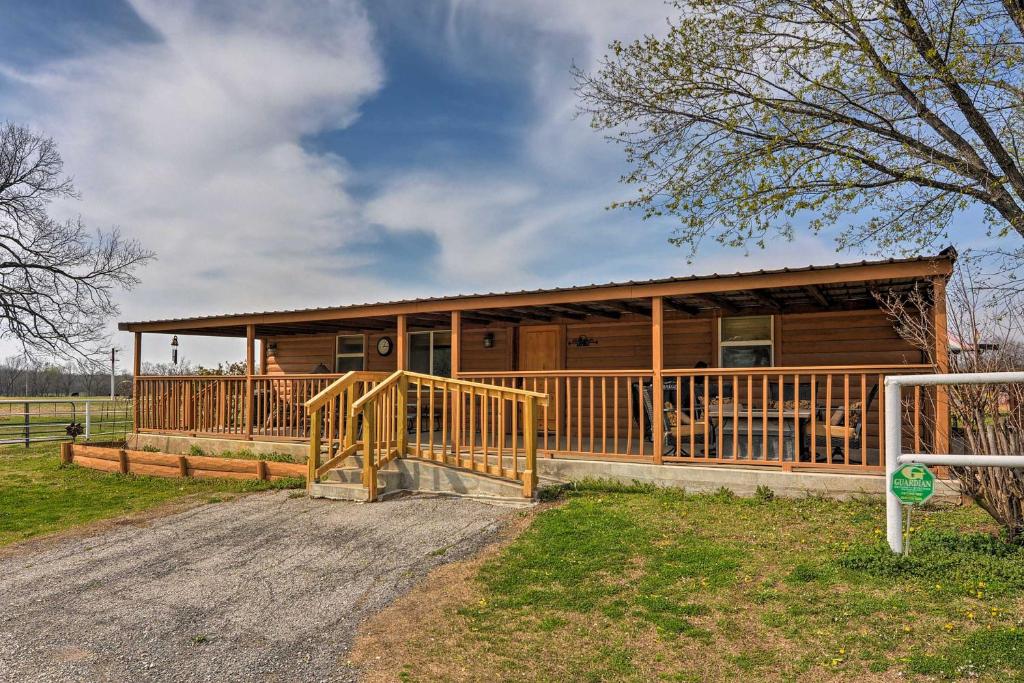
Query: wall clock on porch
x=384, y=346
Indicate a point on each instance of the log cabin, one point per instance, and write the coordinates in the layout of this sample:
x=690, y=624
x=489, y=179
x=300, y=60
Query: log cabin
x=776, y=370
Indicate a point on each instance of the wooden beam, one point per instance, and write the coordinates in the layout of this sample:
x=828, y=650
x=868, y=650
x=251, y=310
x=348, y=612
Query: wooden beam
x=764, y=299
x=866, y=272
x=136, y=371
x=137, y=358
x=250, y=361
x=560, y=312
x=941, y=334
x=677, y=305
x=496, y=317
x=401, y=345
x=589, y=310
x=815, y=293
x=629, y=308
x=456, y=343
x=530, y=315
x=716, y=302
x=263, y=355
x=658, y=363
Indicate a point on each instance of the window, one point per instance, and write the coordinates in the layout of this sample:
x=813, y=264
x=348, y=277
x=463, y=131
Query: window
x=745, y=342
x=349, y=353
x=431, y=353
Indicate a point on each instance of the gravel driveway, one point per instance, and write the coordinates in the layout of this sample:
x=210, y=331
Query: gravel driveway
x=268, y=587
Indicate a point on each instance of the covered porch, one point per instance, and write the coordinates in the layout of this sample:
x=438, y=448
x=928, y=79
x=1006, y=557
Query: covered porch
x=780, y=369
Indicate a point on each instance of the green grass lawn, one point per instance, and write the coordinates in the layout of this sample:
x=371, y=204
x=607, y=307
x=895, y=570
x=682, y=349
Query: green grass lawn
x=38, y=496
x=638, y=585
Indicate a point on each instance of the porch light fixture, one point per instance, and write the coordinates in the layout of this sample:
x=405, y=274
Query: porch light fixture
x=174, y=349
x=582, y=341
x=489, y=340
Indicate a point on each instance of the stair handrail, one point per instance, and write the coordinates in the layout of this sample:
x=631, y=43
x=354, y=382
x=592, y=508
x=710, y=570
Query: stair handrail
x=346, y=384
x=399, y=380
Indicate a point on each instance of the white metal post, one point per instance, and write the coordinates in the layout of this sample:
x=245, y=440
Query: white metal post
x=894, y=457
x=88, y=421
x=893, y=445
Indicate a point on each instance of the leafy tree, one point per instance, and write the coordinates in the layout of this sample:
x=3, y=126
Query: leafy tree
x=898, y=113
x=987, y=419
x=56, y=277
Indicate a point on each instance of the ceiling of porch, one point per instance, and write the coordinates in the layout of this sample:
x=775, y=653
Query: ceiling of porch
x=762, y=301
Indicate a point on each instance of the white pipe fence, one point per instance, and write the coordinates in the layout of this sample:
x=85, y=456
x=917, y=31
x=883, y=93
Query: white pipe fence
x=894, y=456
x=28, y=421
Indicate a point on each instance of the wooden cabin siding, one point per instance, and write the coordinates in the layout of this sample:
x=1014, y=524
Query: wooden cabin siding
x=376, y=362
x=804, y=339
x=476, y=358
x=842, y=338
x=300, y=355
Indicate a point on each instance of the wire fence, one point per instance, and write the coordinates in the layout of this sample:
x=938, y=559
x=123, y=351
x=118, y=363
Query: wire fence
x=29, y=421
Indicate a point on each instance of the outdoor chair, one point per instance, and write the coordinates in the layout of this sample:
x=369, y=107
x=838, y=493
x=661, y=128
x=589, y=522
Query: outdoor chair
x=833, y=433
x=686, y=426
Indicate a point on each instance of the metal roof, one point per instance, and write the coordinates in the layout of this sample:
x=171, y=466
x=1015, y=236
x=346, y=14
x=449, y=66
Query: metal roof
x=947, y=254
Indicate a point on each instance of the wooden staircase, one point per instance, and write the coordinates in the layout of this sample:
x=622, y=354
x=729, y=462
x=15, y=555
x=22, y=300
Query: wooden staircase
x=364, y=430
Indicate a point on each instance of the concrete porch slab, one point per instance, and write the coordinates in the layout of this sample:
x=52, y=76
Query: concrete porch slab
x=741, y=481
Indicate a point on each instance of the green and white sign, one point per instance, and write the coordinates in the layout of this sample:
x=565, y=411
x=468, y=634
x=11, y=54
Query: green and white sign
x=913, y=484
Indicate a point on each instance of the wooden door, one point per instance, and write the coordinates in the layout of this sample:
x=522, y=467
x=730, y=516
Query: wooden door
x=542, y=347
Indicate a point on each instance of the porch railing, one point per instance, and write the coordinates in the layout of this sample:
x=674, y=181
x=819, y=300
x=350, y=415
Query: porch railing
x=793, y=417
x=218, y=405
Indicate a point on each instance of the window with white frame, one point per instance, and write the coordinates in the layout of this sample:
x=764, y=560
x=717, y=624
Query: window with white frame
x=350, y=353
x=431, y=353
x=746, y=342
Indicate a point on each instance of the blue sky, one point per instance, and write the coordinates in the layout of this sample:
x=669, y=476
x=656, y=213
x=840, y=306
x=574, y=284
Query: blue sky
x=280, y=155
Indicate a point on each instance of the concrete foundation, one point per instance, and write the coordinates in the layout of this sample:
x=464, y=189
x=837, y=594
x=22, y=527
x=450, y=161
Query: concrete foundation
x=417, y=475
x=181, y=445
x=741, y=481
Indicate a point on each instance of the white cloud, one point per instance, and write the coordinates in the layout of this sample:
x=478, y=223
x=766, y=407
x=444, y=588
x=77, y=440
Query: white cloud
x=192, y=143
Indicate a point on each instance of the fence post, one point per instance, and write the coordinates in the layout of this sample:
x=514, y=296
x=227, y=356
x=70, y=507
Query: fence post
x=893, y=446
x=28, y=427
x=66, y=454
x=314, y=448
x=530, y=444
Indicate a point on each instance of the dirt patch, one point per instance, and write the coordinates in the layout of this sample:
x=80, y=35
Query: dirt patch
x=399, y=637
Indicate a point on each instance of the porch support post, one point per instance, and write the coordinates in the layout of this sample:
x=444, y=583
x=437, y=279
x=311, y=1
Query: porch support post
x=939, y=324
x=263, y=355
x=401, y=345
x=658, y=365
x=456, y=343
x=250, y=361
x=136, y=371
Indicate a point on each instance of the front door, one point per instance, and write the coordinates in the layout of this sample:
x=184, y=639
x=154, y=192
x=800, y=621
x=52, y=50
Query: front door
x=542, y=347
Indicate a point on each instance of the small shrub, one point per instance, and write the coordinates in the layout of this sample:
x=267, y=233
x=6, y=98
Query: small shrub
x=764, y=494
x=196, y=450
x=150, y=449
x=547, y=494
x=724, y=493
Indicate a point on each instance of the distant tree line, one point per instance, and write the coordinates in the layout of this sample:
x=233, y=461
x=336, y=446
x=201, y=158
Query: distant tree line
x=25, y=376
x=21, y=376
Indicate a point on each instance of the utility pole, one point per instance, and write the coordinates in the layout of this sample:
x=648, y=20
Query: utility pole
x=113, y=355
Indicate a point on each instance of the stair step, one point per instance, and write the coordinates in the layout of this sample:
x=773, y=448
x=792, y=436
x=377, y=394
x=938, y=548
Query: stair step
x=334, y=490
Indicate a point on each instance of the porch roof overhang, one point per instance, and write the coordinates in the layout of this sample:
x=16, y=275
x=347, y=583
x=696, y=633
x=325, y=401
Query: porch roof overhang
x=841, y=286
